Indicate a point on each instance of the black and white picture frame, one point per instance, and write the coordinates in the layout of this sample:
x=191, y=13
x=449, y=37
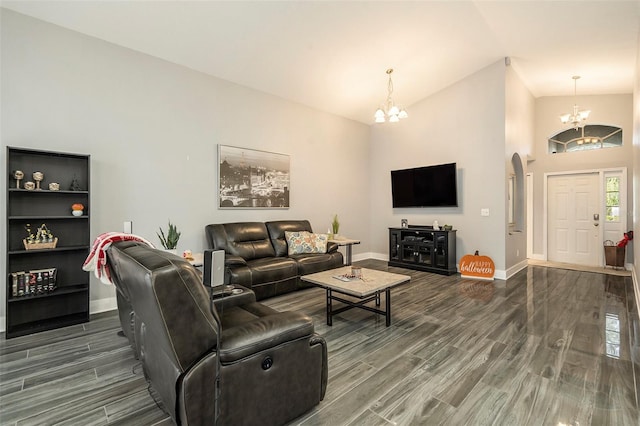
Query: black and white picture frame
x=252, y=179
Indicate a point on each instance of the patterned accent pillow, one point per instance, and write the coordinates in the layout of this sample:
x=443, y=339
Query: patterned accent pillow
x=306, y=242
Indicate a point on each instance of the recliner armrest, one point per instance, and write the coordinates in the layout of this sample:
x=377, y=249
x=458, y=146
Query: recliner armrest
x=229, y=300
x=266, y=332
x=233, y=260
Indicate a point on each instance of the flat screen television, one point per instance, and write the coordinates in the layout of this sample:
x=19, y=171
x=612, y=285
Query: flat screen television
x=430, y=186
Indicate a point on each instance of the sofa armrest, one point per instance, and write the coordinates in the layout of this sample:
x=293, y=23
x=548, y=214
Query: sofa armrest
x=332, y=247
x=264, y=333
x=234, y=260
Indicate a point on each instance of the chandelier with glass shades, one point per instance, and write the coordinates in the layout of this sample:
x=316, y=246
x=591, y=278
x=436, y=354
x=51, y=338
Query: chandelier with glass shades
x=389, y=111
x=578, y=116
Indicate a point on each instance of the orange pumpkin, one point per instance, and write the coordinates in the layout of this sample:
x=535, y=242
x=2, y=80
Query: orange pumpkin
x=77, y=206
x=477, y=267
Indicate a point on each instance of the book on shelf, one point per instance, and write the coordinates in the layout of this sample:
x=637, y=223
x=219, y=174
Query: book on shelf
x=36, y=281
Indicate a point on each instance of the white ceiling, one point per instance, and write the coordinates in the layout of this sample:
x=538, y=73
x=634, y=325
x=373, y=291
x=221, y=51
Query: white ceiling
x=332, y=55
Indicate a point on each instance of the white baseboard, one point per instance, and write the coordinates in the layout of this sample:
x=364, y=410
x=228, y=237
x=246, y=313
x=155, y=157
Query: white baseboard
x=516, y=268
x=377, y=256
x=537, y=256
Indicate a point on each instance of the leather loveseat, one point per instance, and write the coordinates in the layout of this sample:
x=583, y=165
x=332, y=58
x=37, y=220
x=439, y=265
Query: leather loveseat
x=228, y=362
x=256, y=255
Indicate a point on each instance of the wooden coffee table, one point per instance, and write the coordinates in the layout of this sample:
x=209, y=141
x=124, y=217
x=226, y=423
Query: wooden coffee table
x=365, y=289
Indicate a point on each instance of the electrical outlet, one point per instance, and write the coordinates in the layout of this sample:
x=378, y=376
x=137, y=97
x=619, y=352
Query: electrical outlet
x=484, y=212
x=128, y=227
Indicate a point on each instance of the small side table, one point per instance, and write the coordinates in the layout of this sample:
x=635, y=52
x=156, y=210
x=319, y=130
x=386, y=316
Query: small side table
x=348, y=244
x=198, y=259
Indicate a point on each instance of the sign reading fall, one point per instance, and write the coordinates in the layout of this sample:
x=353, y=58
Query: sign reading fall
x=477, y=267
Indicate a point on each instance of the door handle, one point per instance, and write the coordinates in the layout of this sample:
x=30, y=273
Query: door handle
x=596, y=216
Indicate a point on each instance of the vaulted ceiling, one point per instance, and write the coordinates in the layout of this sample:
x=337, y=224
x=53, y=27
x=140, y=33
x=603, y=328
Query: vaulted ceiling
x=332, y=55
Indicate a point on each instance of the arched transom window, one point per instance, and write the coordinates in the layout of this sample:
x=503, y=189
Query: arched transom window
x=594, y=136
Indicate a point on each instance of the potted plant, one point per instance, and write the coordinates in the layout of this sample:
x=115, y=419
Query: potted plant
x=335, y=225
x=170, y=241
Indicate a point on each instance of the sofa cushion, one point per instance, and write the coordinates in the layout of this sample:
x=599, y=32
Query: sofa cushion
x=306, y=242
x=269, y=269
x=310, y=263
x=245, y=323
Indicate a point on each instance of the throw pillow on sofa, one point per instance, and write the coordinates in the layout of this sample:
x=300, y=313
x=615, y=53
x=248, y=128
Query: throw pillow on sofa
x=300, y=242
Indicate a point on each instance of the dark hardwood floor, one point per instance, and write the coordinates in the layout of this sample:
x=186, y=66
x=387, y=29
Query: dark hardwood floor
x=547, y=347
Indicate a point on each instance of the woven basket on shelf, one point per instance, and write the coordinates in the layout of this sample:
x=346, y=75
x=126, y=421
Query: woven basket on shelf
x=40, y=246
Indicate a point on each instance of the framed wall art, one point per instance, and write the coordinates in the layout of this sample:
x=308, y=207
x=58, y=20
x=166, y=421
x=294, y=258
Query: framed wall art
x=252, y=179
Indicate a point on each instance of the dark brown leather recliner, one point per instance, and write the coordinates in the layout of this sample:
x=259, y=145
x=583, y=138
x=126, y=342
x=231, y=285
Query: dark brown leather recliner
x=271, y=367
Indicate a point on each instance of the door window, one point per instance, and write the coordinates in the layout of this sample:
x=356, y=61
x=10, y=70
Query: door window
x=612, y=197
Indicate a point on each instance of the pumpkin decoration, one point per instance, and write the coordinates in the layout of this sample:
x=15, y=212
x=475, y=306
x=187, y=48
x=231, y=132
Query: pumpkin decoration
x=477, y=267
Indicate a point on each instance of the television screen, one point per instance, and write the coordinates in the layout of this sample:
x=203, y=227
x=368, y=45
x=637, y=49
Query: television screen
x=431, y=186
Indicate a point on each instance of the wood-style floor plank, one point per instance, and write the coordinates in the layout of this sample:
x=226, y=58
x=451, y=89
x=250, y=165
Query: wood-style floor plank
x=531, y=350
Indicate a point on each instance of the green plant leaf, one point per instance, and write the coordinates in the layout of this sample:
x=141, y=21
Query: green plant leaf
x=170, y=241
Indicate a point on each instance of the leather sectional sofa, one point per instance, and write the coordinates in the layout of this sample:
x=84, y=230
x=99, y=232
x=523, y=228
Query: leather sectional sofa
x=232, y=361
x=256, y=255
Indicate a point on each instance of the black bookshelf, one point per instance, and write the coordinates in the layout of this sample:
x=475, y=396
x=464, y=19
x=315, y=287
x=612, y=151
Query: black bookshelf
x=60, y=296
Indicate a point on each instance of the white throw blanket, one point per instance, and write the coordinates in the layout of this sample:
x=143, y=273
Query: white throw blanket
x=97, y=259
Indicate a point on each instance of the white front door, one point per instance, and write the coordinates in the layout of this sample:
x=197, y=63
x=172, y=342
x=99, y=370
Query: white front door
x=573, y=229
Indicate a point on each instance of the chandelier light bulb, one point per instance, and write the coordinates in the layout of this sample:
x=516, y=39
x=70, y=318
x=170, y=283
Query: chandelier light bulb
x=578, y=116
x=389, y=111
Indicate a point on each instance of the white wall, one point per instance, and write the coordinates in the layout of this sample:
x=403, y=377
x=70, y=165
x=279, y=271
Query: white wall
x=636, y=176
x=519, y=121
x=607, y=109
x=463, y=123
x=152, y=129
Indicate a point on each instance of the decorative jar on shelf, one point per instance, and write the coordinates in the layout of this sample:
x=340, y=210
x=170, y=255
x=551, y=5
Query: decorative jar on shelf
x=77, y=209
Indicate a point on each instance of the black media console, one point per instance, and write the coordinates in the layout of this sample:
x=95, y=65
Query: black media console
x=423, y=248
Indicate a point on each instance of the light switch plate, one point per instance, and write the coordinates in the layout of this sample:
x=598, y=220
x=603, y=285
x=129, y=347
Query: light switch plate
x=484, y=212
